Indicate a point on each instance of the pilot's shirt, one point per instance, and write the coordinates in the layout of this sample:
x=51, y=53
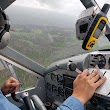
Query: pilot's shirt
x=71, y=103
x=5, y=104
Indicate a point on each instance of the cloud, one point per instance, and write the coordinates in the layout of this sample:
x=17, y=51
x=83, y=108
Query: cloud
x=64, y=6
x=55, y=4
x=69, y=4
x=26, y=3
x=60, y=4
x=101, y=3
x=51, y=3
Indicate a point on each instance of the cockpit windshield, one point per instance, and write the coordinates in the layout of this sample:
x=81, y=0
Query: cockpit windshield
x=44, y=30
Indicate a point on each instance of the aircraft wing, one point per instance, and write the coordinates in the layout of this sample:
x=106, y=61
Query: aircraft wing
x=5, y=3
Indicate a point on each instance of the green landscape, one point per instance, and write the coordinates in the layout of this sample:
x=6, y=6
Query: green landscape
x=44, y=36
x=44, y=46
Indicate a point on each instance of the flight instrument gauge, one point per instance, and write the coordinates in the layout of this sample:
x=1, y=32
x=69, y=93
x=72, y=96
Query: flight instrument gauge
x=101, y=61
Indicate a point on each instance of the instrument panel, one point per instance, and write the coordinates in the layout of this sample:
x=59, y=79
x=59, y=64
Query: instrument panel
x=60, y=88
x=100, y=58
x=59, y=81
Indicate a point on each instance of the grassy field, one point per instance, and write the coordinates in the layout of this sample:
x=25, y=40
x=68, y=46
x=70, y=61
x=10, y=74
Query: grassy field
x=45, y=44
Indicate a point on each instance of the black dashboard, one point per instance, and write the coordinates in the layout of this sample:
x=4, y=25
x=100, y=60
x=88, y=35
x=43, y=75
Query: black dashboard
x=59, y=86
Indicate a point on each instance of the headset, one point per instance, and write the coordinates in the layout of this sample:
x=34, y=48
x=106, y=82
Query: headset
x=4, y=29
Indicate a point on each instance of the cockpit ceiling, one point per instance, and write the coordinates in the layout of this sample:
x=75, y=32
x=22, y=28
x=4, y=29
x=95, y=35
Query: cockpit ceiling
x=5, y=3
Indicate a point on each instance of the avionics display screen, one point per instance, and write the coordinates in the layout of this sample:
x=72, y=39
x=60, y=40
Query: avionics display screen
x=68, y=81
x=99, y=29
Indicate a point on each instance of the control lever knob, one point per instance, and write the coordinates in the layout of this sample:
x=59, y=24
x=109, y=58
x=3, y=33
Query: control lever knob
x=72, y=66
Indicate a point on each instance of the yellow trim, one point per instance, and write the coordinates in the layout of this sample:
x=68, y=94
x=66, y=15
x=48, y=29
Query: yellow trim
x=92, y=39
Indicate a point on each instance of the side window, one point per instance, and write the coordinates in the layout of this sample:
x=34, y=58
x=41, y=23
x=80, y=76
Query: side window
x=4, y=72
x=25, y=78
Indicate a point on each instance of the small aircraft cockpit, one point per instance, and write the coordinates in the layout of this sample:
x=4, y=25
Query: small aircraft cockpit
x=47, y=43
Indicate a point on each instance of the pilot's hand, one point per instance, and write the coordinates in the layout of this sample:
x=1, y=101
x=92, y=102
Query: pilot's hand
x=10, y=86
x=85, y=85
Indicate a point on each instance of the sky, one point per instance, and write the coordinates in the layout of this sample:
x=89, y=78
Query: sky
x=64, y=6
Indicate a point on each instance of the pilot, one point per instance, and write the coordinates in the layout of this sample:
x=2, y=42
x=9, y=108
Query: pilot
x=85, y=85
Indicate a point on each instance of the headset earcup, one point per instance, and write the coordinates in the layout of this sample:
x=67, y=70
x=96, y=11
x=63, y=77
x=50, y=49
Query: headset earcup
x=4, y=40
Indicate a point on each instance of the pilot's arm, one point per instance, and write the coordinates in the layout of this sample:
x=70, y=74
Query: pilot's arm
x=10, y=86
x=84, y=85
